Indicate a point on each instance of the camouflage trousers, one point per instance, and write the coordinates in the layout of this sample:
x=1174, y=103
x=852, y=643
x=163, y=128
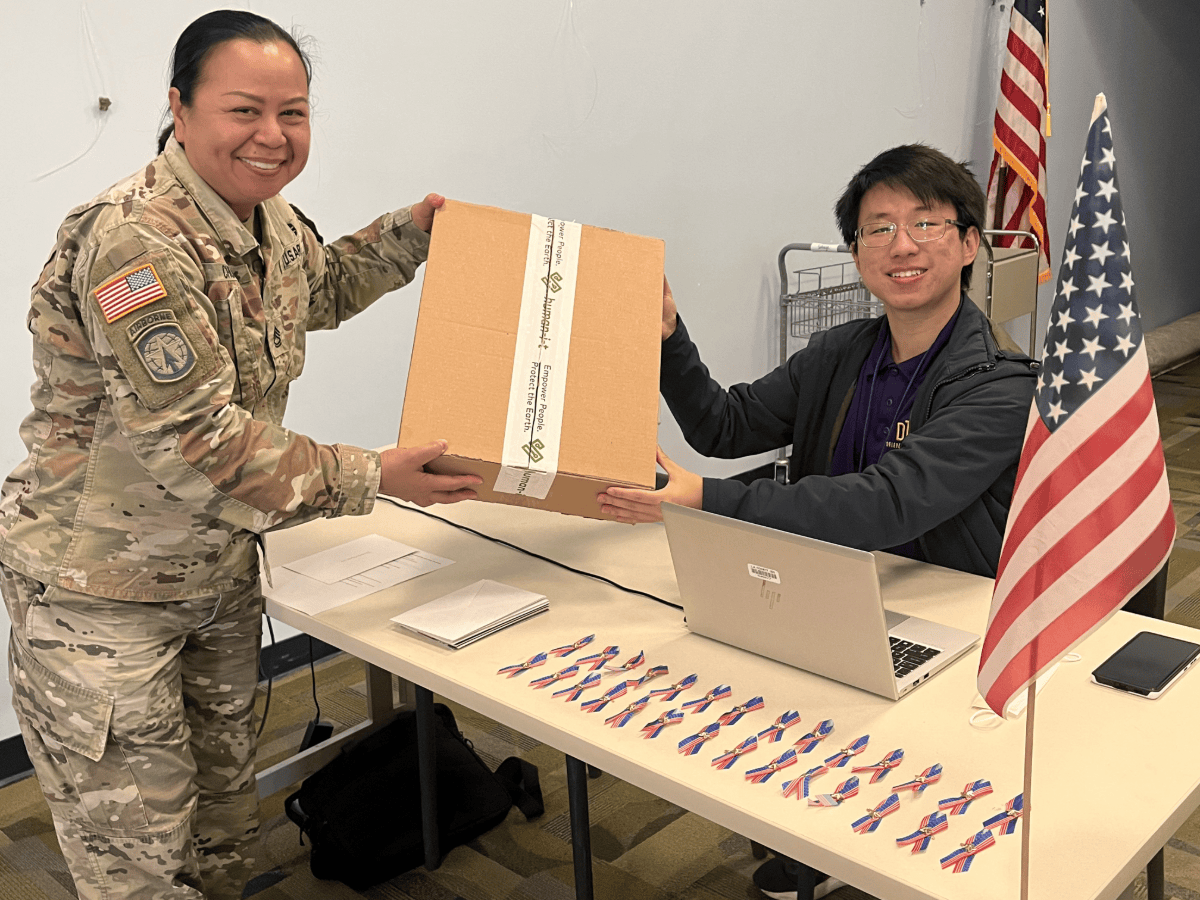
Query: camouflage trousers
x=139, y=721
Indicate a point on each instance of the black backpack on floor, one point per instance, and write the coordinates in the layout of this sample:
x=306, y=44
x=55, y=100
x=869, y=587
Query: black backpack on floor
x=362, y=812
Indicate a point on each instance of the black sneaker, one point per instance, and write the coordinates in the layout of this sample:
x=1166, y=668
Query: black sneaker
x=777, y=877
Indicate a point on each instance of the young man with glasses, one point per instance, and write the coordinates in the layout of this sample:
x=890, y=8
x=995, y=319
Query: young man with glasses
x=906, y=430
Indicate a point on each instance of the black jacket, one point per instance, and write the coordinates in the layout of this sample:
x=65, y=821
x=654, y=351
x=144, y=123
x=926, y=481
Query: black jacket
x=948, y=486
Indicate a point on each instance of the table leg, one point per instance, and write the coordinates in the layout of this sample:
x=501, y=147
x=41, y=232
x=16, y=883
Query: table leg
x=427, y=767
x=1155, y=876
x=581, y=835
x=806, y=880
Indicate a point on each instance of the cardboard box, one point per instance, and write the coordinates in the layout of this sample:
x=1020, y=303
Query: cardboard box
x=485, y=265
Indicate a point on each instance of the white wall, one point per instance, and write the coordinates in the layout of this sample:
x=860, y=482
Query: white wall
x=726, y=128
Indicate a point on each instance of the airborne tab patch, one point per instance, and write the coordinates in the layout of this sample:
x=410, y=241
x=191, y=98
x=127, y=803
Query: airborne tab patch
x=133, y=290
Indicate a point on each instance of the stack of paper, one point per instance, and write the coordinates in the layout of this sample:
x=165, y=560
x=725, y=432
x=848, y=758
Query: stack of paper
x=471, y=613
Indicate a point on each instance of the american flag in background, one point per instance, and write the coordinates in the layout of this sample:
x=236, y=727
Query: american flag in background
x=1091, y=518
x=1019, y=135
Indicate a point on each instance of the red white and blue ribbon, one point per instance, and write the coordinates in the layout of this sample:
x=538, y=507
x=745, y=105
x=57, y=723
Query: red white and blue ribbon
x=764, y=773
x=621, y=719
x=1007, y=820
x=654, y=672
x=668, y=694
x=654, y=729
x=571, y=694
x=844, y=791
x=798, y=787
x=727, y=759
x=734, y=715
x=630, y=664
x=956, y=806
x=932, y=824
x=568, y=649
x=547, y=680
x=617, y=690
x=690, y=746
x=596, y=660
x=961, y=858
x=814, y=737
x=844, y=755
x=882, y=767
x=699, y=705
x=871, y=820
x=773, y=733
x=930, y=776
x=532, y=663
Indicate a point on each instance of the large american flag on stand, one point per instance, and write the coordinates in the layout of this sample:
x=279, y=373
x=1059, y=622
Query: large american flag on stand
x=1019, y=135
x=1091, y=517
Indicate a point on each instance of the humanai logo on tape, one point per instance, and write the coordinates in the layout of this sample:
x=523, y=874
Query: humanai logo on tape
x=762, y=573
x=532, y=431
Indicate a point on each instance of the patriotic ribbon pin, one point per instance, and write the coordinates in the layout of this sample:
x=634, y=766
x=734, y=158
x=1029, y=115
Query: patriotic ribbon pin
x=654, y=672
x=814, y=737
x=630, y=664
x=653, y=729
x=690, y=746
x=958, y=805
x=572, y=693
x=668, y=694
x=720, y=692
x=568, y=649
x=734, y=715
x=798, y=787
x=844, y=791
x=596, y=660
x=617, y=690
x=773, y=733
x=763, y=773
x=531, y=663
x=843, y=756
x=727, y=759
x=621, y=719
x=961, y=858
x=871, y=820
x=882, y=767
x=930, y=825
x=1007, y=820
x=547, y=680
x=930, y=776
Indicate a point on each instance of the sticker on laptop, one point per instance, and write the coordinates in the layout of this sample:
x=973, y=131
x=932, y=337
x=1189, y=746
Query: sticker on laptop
x=762, y=573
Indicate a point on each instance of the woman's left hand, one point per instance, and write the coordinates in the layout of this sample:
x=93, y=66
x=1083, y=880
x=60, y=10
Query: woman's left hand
x=422, y=213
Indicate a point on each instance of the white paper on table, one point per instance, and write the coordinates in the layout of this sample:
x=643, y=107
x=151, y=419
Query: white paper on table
x=309, y=595
x=360, y=555
x=483, y=606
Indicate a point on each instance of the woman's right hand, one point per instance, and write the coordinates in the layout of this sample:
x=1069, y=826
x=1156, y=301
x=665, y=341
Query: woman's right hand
x=403, y=475
x=670, y=316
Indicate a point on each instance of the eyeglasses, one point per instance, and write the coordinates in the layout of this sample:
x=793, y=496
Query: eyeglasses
x=930, y=228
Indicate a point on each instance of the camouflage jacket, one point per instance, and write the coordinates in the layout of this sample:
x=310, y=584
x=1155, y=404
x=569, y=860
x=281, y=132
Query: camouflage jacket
x=165, y=338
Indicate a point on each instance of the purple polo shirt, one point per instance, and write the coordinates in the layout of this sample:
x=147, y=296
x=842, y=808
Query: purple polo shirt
x=878, y=417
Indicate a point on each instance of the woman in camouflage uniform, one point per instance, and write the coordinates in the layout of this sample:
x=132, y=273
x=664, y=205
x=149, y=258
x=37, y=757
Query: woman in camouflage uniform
x=167, y=327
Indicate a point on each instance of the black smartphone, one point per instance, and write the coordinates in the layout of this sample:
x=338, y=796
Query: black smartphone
x=1147, y=664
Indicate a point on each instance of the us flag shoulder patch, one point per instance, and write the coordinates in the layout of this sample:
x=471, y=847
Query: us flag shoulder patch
x=125, y=293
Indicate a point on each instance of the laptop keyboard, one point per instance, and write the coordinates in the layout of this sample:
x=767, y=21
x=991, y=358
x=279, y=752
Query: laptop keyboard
x=906, y=655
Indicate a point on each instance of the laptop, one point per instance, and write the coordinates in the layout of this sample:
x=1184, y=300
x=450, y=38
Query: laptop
x=804, y=602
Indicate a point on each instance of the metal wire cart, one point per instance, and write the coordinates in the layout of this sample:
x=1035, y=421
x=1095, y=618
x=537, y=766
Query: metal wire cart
x=824, y=296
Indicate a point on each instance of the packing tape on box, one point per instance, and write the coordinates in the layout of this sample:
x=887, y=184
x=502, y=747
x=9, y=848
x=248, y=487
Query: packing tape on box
x=539, y=379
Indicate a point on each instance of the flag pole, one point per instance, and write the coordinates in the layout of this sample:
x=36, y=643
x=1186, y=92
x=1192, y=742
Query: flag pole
x=1027, y=788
